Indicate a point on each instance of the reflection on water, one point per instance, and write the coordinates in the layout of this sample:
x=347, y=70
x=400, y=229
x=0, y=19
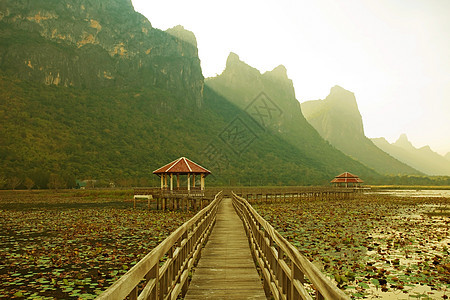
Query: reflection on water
x=413, y=193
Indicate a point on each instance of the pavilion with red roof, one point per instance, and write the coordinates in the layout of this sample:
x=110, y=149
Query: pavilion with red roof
x=347, y=179
x=182, y=166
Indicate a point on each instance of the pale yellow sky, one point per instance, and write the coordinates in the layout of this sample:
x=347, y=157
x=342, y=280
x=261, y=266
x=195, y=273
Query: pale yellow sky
x=393, y=54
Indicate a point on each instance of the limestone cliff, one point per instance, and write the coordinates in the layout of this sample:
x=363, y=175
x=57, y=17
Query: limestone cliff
x=338, y=120
x=335, y=117
x=98, y=43
x=244, y=85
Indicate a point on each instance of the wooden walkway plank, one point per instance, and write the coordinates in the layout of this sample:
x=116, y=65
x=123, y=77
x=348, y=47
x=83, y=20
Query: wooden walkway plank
x=226, y=269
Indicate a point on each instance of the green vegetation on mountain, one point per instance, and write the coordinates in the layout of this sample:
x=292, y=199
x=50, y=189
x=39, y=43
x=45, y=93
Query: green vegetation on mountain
x=338, y=120
x=423, y=159
x=96, y=44
x=116, y=134
x=90, y=90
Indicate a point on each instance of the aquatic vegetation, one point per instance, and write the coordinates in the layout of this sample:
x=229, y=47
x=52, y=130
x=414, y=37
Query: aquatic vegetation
x=373, y=245
x=71, y=245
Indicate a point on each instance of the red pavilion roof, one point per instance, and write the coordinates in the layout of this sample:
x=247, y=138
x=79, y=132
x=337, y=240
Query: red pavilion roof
x=347, y=177
x=182, y=165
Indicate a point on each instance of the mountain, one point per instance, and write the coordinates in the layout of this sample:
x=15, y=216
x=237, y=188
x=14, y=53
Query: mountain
x=269, y=100
x=423, y=159
x=90, y=90
x=96, y=44
x=338, y=120
x=447, y=156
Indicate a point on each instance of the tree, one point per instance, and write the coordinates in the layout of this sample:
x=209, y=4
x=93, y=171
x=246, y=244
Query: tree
x=29, y=183
x=14, y=182
x=40, y=178
x=56, y=182
x=3, y=181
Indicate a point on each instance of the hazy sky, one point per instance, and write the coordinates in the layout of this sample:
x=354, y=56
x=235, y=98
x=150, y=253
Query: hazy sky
x=393, y=54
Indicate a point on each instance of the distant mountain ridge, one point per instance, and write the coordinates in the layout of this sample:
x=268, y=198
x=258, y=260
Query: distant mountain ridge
x=242, y=85
x=338, y=120
x=423, y=159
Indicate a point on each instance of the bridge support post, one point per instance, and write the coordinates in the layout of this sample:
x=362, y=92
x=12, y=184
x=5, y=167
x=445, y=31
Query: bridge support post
x=202, y=182
x=189, y=183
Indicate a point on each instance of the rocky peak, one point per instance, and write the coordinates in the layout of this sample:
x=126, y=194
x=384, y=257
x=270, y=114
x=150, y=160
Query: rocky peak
x=403, y=142
x=335, y=116
x=183, y=34
x=235, y=65
x=342, y=98
x=232, y=60
x=243, y=84
x=238, y=72
x=279, y=72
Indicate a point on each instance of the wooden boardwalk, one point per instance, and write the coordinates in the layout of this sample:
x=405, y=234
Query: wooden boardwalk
x=226, y=269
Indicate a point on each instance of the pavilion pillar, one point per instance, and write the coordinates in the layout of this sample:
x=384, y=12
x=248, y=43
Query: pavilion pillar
x=193, y=180
x=178, y=181
x=189, y=182
x=171, y=182
x=202, y=181
x=165, y=181
x=162, y=181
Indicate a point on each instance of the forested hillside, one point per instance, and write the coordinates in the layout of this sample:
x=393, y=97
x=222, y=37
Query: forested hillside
x=118, y=135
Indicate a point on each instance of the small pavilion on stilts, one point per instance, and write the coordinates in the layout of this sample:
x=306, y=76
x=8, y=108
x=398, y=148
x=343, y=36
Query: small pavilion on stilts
x=182, y=167
x=347, y=180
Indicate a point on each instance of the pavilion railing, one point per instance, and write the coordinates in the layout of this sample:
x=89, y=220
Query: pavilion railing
x=177, y=253
x=282, y=266
x=176, y=191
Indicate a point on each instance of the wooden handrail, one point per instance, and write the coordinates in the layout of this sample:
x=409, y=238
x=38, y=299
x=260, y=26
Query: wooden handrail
x=180, y=250
x=158, y=192
x=283, y=267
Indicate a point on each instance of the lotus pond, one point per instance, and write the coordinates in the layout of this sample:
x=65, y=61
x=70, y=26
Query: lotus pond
x=375, y=246
x=74, y=244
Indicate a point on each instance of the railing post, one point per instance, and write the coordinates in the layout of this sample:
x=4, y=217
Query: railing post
x=153, y=274
x=133, y=294
x=319, y=295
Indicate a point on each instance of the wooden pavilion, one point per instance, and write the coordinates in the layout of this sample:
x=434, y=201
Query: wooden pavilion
x=347, y=179
x=182, y=166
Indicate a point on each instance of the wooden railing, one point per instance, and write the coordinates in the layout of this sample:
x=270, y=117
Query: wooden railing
x=282, y=266
x=174, y=200
x=279, y=194
x=181, y=191
x=177, y=253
